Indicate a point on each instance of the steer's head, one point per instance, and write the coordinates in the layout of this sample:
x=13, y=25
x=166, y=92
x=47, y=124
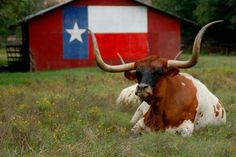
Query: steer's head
x=150, y=70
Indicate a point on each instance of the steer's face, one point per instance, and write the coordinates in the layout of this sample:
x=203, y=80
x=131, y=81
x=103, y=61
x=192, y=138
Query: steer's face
x=148, y=73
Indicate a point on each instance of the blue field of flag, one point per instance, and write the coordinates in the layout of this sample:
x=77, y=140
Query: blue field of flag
x=75, y=36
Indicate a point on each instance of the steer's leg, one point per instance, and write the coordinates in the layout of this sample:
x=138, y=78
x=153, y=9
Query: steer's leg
x=185, y=129
x=138, y=119
x=140, y=127
x=142, y=109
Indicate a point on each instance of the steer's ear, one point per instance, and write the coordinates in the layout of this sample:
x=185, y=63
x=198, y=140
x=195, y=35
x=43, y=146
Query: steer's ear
x=130, y=75
x=171, y=72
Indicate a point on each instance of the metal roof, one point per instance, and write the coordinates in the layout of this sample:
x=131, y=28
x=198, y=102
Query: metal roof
x=42, y=12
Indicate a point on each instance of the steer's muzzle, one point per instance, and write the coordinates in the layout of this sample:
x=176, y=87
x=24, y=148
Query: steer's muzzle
x=143, y=90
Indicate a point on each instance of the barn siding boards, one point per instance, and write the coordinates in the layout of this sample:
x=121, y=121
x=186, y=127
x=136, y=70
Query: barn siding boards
x=164, y=34
x=159, y=36
x=170, y=44
x=45, y=40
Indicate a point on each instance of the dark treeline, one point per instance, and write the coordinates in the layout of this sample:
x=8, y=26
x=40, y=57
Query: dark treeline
x=201, y=12
x=12, y=11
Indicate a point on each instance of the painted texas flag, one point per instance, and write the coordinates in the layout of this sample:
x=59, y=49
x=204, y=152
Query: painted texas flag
x=120, y=29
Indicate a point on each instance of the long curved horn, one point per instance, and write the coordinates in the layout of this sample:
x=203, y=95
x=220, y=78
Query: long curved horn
x=195, y=52
x=178, y=55
x=121, y=59
x=102, y=64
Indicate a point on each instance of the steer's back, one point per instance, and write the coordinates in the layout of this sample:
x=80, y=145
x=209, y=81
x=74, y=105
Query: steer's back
x=210, y=110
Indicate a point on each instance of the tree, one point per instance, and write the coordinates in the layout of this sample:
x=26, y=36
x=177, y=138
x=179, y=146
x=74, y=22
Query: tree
x=201, y=11
x=209, y=10
x=11, y=12
x=182, y=8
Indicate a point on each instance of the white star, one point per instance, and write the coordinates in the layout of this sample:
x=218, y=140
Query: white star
x=76, y=33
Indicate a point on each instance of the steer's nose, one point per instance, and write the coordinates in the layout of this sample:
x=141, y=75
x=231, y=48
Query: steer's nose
x=143, y=90
x=142, y=86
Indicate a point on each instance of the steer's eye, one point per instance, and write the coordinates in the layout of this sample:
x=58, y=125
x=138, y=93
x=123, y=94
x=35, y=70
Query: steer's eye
x=139, y=76
x=158, y=72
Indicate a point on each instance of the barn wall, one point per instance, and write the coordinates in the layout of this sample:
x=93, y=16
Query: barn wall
x=45, y=40
x=164, y=34
x=45, y=37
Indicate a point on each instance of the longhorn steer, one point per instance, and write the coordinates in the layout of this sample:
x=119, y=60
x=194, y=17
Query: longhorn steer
x=127, y=96
x=172, y=101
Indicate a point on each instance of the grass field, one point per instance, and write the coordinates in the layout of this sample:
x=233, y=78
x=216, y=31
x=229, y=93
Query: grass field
x=73, y=113
x=3, y=57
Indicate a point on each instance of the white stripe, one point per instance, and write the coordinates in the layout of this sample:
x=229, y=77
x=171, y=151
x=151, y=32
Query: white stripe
x=117, y=19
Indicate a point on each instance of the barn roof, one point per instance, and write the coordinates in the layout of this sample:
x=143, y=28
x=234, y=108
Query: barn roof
x=42, y=12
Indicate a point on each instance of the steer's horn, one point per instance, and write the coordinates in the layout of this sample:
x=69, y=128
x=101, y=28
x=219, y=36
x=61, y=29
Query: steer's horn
x=195, y=52
x=121, y=59
x=103, y=65
x=178, y=55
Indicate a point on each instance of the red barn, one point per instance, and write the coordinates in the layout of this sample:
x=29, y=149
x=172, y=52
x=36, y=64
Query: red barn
x=56, y=38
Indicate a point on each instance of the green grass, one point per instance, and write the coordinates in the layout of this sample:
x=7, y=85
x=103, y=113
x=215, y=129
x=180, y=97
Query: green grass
x=73, y=113
x=3, y=57
x=20, y=78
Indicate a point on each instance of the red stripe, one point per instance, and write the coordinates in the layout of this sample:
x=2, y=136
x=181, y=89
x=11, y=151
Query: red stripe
x=130, y=46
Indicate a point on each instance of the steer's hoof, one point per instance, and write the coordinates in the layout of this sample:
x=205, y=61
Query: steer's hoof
x=185, y=132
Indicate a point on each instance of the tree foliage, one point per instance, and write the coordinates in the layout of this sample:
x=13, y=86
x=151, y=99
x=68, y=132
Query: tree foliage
x=183, y=8
x=12, y=11
x=209, y=10
x=202, y=11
